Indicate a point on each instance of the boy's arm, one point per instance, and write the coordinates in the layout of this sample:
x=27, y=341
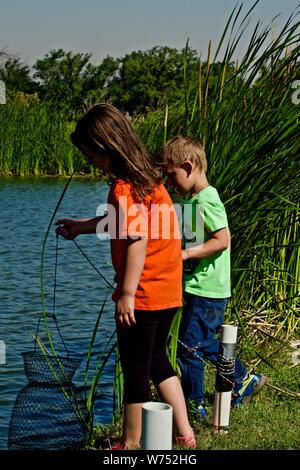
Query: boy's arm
x=135, y=261
x=218, y=241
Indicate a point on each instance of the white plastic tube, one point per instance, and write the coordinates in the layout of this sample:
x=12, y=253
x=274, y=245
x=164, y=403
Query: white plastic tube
x=157, y=421
x=228, y=334
x=224, y=379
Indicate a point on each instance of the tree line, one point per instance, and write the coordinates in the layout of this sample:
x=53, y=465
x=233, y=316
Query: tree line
x=139, y=82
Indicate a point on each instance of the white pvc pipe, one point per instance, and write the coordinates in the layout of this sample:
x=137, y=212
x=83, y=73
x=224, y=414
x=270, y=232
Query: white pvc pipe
x=157, y=421
x=223, y=392
x=228, y=334
x=221, y=413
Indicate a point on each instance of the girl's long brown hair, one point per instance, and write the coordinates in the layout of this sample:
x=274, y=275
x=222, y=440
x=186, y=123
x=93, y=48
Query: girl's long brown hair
x=105, y=130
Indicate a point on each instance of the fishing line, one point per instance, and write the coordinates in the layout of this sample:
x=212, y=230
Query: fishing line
x=42, y=264
x=53, y=316
x=55, y=282
x=222, y=372
x=191, y=350
x=49, y=367
x=92, y=264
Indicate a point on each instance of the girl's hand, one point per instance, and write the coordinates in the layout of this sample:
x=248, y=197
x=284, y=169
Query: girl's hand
x=125, y=311
x=69, y=229
x=184, y=255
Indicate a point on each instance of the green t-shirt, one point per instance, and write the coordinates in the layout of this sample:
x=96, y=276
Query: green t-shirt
x=207, y=277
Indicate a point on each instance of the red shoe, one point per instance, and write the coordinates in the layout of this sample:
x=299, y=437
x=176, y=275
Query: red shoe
x=189, y=442
x=118, y=446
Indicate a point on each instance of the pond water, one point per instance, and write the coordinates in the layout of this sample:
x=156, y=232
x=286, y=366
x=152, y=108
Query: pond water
x=27, y=205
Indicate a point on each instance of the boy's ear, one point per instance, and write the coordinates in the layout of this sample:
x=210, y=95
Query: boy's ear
x=188, y=167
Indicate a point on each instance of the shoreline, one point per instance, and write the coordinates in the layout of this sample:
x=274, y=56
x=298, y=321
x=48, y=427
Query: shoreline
x=57, y=176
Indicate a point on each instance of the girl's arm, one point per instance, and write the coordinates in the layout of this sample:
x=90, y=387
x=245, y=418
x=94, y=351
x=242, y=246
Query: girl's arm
x=135, y=260
x=219, y=241
x=72, y=228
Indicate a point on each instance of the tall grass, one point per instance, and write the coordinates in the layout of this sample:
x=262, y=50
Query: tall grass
x=35, y=140
x=92, y=387
x=245, y=117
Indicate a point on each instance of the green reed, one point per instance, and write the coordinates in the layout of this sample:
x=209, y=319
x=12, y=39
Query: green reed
x=35, y=140
x=250, y=129
x=245, y=117
x=91, y=387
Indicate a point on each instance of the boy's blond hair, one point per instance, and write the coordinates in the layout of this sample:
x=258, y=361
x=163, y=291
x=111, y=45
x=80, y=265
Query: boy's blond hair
x=182, y=148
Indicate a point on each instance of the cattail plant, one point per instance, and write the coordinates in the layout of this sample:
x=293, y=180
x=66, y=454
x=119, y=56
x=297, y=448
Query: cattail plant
x=250, y=129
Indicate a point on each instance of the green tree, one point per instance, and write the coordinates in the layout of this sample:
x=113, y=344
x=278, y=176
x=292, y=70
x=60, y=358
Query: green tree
x=71, y=80
x=61, y=76
x=150, y=79
x=16, y=75
x=97, y=85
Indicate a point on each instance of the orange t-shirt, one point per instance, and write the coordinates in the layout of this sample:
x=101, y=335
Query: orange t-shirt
x=160, y=284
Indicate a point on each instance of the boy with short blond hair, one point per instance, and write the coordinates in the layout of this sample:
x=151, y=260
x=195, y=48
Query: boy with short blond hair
x=206, y=279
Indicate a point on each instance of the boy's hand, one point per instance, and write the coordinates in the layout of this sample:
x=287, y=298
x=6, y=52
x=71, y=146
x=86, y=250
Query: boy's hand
x=125, y=311
x=69, y=229
x=184, y=255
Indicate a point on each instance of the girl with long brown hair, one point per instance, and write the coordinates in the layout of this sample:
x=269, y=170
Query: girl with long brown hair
x=148, y=267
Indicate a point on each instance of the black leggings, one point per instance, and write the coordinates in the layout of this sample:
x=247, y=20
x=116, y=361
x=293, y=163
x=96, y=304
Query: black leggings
x=143, y=353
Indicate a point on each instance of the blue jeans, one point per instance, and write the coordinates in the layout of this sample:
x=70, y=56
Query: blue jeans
x=202, y=318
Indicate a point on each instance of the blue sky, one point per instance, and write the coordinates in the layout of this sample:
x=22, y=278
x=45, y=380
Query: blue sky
x=30, y=28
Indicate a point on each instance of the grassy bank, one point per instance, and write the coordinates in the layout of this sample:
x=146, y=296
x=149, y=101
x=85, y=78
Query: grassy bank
x=270, y=422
